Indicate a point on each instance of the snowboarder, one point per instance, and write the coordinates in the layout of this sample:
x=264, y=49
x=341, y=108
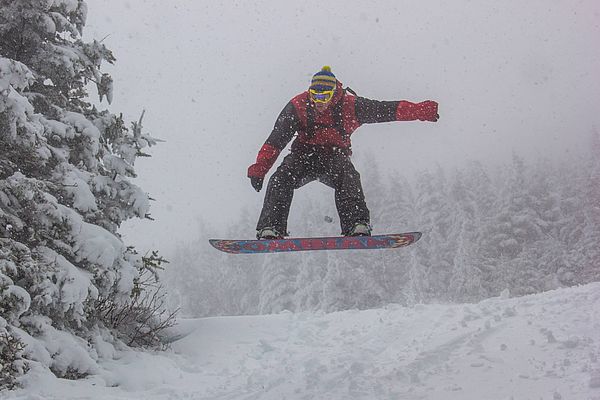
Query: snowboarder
x=323, y=117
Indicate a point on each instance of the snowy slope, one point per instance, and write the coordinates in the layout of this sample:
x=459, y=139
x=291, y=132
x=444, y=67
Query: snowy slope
x=544, y=346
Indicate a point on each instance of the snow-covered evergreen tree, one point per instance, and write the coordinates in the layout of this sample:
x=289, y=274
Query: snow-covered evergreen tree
x=512, y=230
x=277, y=285
x=65, y=188
x=436, y=250
x=399, y=215
x=466, y=280
x=337, y=287
x=375, y=194
x=590, y=191
x=312, y=265
x=195, y=282
x=551, y=253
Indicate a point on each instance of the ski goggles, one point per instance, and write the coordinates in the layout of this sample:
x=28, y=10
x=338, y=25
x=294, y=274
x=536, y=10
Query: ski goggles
x=321, y=96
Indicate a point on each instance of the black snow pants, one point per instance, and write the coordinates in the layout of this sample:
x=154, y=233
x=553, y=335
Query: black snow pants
x=306, y=164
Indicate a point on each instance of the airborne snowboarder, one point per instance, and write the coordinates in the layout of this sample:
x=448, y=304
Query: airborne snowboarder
x=323, y=117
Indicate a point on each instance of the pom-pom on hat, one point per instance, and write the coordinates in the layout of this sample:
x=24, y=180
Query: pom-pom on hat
x=323, y=80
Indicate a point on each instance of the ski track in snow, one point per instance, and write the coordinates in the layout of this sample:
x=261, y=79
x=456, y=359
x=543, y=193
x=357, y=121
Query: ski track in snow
x=544, y=346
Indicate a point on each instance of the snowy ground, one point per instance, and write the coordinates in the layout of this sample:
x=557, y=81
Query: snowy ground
x=545, y=346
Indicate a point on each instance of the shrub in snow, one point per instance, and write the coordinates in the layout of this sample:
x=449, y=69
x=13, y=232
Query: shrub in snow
x=141, y=319
x=65, y=188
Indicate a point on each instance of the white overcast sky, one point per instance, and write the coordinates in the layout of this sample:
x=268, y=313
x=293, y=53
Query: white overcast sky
x=212, y=76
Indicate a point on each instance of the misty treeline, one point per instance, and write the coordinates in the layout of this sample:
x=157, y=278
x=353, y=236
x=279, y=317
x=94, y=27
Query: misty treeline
x=526, y=227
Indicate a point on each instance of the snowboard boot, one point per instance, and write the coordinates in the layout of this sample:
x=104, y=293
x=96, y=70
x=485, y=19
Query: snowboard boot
x=268, y=233
x=360, y=229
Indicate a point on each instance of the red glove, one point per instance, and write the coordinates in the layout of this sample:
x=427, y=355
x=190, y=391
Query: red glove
x=427, y=111
x=423, y=111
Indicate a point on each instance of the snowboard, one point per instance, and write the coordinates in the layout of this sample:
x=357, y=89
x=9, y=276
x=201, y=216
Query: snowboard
x=390, y=241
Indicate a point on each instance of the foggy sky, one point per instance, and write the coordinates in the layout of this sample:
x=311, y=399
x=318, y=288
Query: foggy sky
x=509, y=76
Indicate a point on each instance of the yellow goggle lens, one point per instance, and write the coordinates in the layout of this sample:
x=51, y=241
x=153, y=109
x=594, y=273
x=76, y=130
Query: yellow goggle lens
x=321, y=97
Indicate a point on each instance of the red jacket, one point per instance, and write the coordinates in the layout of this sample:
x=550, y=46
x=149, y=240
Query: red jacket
x=332, y=128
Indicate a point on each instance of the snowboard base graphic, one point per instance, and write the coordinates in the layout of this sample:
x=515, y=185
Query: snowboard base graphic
x=389, y=241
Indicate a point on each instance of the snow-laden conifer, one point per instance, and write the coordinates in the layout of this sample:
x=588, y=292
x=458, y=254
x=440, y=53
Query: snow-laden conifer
x=65, y=188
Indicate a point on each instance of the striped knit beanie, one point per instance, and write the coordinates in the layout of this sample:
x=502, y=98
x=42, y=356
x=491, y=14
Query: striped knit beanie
x=323, y=80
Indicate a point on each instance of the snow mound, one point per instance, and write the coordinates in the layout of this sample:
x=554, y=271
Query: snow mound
x=543, y=346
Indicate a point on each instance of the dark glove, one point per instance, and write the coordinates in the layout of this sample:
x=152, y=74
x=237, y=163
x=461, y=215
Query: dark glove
x=257, y=183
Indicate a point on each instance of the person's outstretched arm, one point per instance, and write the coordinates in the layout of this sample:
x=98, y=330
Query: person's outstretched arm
x=374, y=111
